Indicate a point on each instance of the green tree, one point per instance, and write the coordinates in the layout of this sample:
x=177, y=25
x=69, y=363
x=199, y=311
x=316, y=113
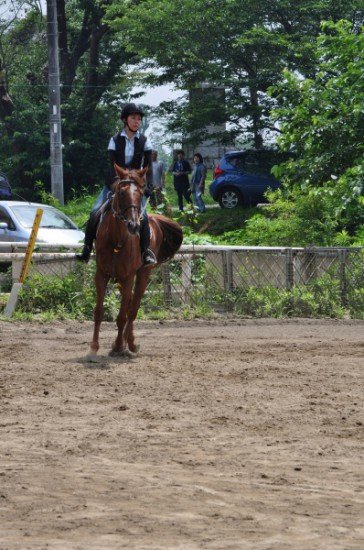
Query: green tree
x=322, y=120
x=23, y=138
x=240, y=45
x=94, y=79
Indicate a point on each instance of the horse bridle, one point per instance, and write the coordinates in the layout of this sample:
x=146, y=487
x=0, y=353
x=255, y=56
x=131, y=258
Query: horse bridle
x=120, y=214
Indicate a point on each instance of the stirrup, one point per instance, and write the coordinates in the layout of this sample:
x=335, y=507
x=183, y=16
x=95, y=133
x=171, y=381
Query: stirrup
x=85, y=254
x=149, y=257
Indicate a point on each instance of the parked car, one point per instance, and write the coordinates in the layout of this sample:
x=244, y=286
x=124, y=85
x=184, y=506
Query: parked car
x=17, y=218
x=242, y=178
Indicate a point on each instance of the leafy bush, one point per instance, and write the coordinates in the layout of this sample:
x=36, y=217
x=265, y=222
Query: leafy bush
x=72, y=296
x=322, y=121
x=318, y=300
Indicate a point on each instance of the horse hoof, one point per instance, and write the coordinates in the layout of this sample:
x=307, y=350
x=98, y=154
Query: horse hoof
x=134, y=348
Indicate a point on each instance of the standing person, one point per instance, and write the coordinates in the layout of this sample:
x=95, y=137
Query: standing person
x=198, y=182
x=180, y=169
x=158, y=180
x=130, y=150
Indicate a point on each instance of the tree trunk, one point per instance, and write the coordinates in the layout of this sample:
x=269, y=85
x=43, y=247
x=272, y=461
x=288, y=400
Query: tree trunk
x=256, y=117
x=6, y=104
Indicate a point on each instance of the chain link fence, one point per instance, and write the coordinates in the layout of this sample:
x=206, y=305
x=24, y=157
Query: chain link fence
x=262, y=281
x=255, y=281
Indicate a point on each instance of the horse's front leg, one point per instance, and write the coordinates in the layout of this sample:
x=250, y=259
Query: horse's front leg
x=141, y=283
x=101, y=284
x=126, y=292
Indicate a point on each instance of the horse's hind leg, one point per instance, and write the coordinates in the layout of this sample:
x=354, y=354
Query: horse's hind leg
x=140, y=287
x=101, y=283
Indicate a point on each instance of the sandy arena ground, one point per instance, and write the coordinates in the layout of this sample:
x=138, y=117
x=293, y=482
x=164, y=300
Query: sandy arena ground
x=229, y=434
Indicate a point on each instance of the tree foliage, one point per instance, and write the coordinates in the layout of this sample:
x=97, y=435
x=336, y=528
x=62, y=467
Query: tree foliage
x=322, y=119
x=242, y=46
x=94, y=80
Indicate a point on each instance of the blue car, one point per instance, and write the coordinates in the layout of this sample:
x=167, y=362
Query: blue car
x=242, y=178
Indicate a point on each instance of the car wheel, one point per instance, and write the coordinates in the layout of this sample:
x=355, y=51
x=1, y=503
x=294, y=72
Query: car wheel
x=230, y=198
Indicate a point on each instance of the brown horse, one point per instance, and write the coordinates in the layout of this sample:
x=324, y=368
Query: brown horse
x=118, y=255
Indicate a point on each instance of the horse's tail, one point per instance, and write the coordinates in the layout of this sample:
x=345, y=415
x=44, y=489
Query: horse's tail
x=172, y=237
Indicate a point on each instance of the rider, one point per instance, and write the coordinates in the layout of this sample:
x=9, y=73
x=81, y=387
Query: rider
x=129, y=149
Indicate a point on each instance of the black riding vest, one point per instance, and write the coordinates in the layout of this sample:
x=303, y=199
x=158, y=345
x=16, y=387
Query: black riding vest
x=136, y=161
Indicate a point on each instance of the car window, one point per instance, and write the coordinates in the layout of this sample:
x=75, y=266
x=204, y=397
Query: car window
x=258, y=163
x=238, y=162
x=51, y=218
x=56, y=219
x=5, y=218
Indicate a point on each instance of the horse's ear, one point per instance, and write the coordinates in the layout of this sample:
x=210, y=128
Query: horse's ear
x=114, y=186
x=143, y=172
x=123, y=174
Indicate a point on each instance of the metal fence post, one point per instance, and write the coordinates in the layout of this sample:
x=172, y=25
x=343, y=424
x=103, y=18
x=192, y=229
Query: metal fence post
x=167, y=289
x=186, y=278
x=289, y=269
x=228, y=271
x=227, y=265
x=343, y=255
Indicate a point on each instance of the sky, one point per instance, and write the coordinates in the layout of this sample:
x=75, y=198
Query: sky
x=155, y=96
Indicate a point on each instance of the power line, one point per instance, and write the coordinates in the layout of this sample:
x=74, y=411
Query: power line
x=83, y=86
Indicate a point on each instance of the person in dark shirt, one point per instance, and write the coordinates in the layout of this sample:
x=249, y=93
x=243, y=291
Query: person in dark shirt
x=180, y=170
x=198, y=182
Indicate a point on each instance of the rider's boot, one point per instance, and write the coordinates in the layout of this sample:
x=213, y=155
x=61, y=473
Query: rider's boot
x=147, y=254
x=90, y=235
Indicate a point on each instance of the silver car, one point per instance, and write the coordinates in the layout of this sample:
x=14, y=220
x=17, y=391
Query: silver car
x=17, y=218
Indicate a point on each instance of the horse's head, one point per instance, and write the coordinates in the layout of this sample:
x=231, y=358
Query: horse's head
x=128, y=193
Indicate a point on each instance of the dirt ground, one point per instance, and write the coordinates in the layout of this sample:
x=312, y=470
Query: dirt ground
x=224, y=434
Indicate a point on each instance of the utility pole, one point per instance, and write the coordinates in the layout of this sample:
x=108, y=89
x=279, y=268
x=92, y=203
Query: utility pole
x=54, y=95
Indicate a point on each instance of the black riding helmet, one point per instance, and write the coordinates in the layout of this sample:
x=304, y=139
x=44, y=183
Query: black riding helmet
x=130, y=109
